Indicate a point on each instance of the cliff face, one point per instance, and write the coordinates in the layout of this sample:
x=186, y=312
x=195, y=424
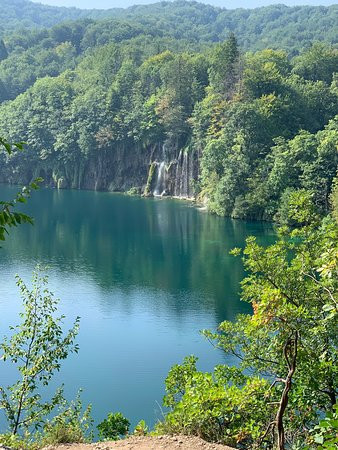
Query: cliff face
x=159, y=170
x=175, y=172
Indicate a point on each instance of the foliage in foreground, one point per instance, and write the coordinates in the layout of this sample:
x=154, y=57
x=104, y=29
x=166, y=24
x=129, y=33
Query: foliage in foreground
x=36, y=347
x=113, y=427
x=9, y=217
x=70, y=425
x=287, y=350
x=325, y=435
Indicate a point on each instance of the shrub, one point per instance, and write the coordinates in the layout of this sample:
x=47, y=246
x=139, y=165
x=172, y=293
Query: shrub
x=16, y=442
x=225, y=406
x=113, y=427
x=133, y=191
x=141, y=429
x=71, y=425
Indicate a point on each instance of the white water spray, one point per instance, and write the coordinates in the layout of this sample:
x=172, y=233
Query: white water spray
x=160, y=178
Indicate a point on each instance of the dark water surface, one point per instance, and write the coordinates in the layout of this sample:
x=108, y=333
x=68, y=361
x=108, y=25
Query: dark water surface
x=145, y=275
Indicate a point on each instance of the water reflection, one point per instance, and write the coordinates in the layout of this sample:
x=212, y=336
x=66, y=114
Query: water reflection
x=145, y=275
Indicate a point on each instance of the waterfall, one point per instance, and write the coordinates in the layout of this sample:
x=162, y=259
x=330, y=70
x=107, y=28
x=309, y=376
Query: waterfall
x=159, y=188
x=177, y=190
x=183, y=175
x=174, y=176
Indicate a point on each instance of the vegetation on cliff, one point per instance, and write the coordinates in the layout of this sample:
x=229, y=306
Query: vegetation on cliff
x=256, y=125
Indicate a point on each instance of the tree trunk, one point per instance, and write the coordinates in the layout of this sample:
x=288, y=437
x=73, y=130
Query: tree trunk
x=290, y=355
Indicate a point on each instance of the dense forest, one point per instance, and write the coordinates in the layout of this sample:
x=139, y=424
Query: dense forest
x=124, y=106
x=276, y=26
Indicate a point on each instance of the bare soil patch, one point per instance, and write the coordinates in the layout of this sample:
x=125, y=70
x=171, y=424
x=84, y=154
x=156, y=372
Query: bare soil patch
x=147, y=443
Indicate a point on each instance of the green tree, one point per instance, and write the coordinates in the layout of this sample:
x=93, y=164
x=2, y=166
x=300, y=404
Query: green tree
x=36, y=347
x=225, y=67
x=319, y=62
x=287, y=349
x=3, y=92
x=264, y=72
x=291, y=336
x=334, y=199
x=324, y=436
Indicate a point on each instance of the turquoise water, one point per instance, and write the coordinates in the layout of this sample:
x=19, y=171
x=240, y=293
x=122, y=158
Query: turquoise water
x=144, y=275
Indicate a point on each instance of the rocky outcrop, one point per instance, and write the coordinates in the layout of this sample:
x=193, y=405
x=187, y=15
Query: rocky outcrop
x=159, y=170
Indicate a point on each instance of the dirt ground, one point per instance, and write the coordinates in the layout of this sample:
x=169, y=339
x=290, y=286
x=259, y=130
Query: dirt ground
x=147, y=443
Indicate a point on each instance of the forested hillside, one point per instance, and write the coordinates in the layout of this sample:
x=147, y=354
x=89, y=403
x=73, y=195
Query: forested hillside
x=15, y=14
x=275, y=26
x=122, y=105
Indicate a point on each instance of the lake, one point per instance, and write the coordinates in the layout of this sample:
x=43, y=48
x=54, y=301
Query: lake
x=144, y=275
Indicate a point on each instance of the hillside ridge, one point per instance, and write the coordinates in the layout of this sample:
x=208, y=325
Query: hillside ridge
x=263, y=25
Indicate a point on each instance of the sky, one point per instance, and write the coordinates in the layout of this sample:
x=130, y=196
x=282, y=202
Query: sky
x=104, y=4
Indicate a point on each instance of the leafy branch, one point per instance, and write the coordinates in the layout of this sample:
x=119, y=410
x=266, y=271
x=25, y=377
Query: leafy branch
x=8, y=216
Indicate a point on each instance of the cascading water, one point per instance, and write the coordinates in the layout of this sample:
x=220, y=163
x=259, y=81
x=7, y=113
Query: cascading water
x=175, y=174
x=183, y=176
x=160, y=188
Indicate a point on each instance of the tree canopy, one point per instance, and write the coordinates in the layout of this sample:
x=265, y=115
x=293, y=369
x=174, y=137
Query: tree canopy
x=279, y=26
x=286, y=377
x=261, y=124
